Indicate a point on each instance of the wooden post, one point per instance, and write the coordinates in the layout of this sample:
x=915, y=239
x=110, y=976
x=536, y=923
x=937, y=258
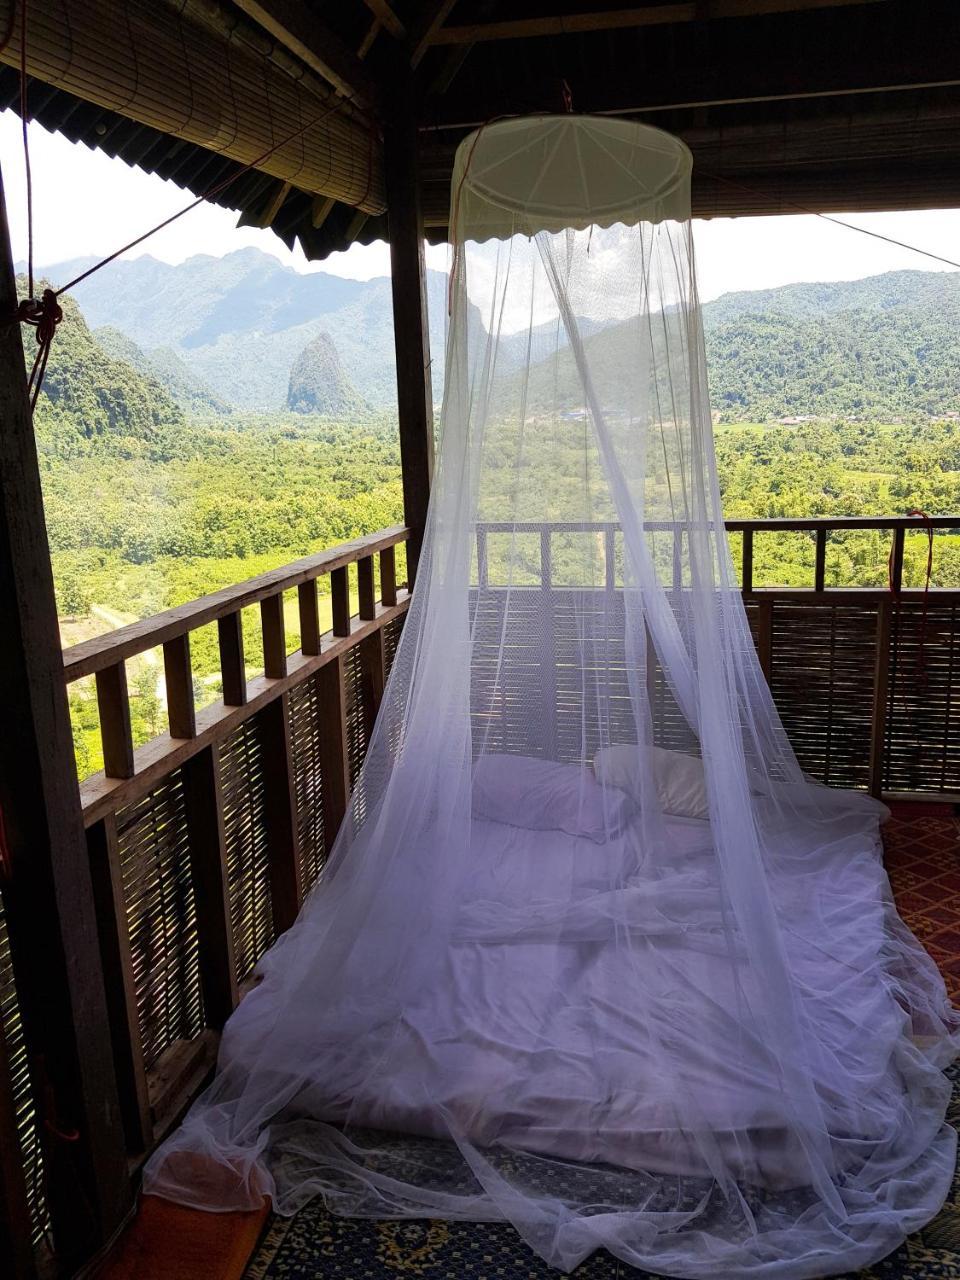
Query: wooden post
x=340, y=594
x=48, y=896
x=233, y=669
x=116, y=733
x=178, y=673
x=274, y=637
x=748, y=560
x=334, y=763
x=373, y=678
x=820, y=564
x=410, y=327
x=309, y=618
x=881, y=691
x=388, y=576
x=120, y=982
x=367, y=609
x=203, y=800
x=280, y=812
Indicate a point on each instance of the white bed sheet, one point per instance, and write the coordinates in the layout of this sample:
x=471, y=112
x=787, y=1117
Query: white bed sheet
x=631, y=976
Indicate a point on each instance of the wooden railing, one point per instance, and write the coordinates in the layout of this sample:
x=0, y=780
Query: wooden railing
x=866, y=679
x=204, y=840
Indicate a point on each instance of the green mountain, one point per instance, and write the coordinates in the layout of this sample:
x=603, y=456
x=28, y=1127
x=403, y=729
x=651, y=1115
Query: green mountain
x=167, y=367
x=886, y=346
x=881, y=348
x=318, y=383
x=92, y=401
x=239, y=322
x=231, y=329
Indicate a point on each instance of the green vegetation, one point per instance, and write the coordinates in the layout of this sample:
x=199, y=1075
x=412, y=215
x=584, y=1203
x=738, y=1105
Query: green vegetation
x=157, y=493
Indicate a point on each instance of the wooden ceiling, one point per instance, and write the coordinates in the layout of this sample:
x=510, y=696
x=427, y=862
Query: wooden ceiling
x=786, y=104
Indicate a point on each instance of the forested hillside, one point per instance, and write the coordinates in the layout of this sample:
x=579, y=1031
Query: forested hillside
x=155, y=496
x=875, y=348
x=231, y=329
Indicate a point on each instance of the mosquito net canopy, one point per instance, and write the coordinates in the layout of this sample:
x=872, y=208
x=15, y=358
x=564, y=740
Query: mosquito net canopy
x=590, y=955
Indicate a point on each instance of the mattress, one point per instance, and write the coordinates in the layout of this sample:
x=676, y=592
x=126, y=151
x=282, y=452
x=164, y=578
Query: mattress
x=578, y=1006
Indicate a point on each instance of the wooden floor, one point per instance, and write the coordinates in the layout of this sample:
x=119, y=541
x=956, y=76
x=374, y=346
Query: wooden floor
x=167, y=1242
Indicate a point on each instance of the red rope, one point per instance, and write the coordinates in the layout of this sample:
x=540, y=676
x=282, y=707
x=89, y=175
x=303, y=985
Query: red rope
x=6, y=859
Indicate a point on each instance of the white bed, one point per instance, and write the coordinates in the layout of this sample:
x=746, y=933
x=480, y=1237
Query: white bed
x=562, y=1026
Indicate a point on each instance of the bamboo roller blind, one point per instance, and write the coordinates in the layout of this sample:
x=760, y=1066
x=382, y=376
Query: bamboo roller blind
x=154, y=65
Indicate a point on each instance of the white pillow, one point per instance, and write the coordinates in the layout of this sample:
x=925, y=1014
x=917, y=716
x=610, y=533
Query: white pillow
x=679, y=779
x=546, y=796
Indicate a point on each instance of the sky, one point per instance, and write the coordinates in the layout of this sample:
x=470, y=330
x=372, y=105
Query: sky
x=110, y=203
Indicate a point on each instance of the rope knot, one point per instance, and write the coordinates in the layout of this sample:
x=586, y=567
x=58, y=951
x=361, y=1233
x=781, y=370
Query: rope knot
x=43, y=314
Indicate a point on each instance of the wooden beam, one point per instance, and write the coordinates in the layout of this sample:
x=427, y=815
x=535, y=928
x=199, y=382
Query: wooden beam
x=48, y=896
x=620, y=19
x=273, y=206
x=300, y=29
x=387, y=18
x=410, y=323
x=320, y=210
x=431, y=19
x=366, y=44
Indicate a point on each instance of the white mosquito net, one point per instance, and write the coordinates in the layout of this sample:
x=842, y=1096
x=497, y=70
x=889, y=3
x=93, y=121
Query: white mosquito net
x=590, y=955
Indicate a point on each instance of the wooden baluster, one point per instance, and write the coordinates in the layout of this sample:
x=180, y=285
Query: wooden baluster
x=483, y=568
x=280, y=812
x=765, y=636
x=120, y=983
x=340, y=591
x=233, y=668
x=178, y=673
x=677, y=558
x=820, y=568
x=274, y=637
x=546, y=565
x=115, y=729
x=373, y=677
x=334, y=760
x=203, y=802
x=610, y=556
x=881, y=690
x=747, y=560
x=896, y=561
x=309, y=618
x=365, y=588
x=388, y=576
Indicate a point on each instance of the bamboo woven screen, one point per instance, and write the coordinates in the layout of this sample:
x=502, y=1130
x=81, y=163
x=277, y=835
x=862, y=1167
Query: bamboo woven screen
x=922, y=738
x=154, y=65
x=161, y=918
x=20, y=1088
x=306, y=730
x=247, y=847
